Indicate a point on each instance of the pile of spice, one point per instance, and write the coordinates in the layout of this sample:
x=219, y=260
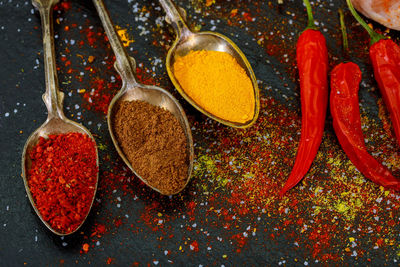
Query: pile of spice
x=154, y=142
x=62, y=179
x=217, y=83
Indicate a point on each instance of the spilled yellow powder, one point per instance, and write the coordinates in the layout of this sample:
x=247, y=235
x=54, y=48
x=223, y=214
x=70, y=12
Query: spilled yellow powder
x=123, y=35
x=217, y=83
x=210, y=2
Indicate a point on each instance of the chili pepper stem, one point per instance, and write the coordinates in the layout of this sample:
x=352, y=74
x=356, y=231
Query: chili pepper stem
x=344, y=32
x=311, y=24
x=375, y=37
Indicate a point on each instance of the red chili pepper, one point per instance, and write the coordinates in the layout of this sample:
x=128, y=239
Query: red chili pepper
x=345, y=80
x=312, y=61
x=385, y=57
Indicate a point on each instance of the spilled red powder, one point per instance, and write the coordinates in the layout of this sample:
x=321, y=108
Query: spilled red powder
x=64, y=6
x=241, y=241
x=194, y=246
x=247, y=16
x=321, y=237
x=95, y=37
x=101, y=91
x=98, y=98
x=99, y=230
x=118, y=223
x=109, y=260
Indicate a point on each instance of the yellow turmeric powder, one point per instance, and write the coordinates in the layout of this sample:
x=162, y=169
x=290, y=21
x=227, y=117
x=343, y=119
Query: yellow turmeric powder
x=217, y=83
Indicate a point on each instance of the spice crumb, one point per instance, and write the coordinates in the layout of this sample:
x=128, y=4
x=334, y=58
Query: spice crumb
x=109, y=260
x=85, y=247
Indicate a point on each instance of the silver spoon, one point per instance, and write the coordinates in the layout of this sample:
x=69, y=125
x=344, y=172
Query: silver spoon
x=187, y=41
x=56, y=122
x=132, y=90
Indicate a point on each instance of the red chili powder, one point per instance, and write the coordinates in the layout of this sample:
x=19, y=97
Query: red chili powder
x=62, y=179
x=64, y=5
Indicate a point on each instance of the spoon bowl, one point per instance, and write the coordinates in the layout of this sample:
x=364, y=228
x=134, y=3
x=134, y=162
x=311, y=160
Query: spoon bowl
x=52, y=126
x=187, y=41
x=156, y=96
x=56, y=122
x=132, y=90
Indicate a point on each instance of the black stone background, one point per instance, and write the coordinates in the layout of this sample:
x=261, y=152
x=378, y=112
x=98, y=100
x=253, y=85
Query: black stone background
x=20, y=82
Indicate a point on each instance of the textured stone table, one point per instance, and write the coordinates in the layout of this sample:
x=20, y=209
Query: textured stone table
x=230, y=213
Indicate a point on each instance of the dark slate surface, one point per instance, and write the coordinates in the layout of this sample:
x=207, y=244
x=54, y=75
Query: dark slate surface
x=23, y=239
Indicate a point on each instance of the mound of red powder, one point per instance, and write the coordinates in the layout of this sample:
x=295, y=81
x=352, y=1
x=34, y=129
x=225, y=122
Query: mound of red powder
x=62, y=179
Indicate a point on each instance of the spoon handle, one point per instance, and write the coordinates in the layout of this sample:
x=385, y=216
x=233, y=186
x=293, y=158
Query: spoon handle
x=175, y=18
x=53, y=98
x=124, y=63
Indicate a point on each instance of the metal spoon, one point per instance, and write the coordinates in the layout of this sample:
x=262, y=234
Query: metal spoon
x=187, y=41
x=56, y=122
x=132, y=90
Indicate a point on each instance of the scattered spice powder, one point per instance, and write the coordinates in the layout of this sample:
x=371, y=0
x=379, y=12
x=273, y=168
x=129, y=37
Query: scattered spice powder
x=154, y=142
x=318, y=219
x=217, y=83
x=62, y=179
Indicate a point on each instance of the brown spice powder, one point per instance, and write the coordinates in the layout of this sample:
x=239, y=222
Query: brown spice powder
x=154, y=142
